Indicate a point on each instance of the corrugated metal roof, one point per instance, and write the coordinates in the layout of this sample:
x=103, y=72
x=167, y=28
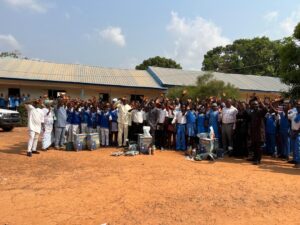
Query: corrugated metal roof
x=177, y=77
x=72, y=73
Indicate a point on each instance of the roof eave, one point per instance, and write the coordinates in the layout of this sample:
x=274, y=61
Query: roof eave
x=89, y=84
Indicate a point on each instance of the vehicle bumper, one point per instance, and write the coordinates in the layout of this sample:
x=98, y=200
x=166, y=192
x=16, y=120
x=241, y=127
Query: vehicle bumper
x=9, y=122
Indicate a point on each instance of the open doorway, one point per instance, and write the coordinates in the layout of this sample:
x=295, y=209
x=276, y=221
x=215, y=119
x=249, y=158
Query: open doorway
x=54, y=94
x=103, y=97
x=138, y=98
x=15, y=92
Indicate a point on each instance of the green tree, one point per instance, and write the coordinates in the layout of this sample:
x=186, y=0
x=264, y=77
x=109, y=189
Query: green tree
x=257, y=56
x=14, y=54
x=290, y=63
x=206, y=86
x=159, y=62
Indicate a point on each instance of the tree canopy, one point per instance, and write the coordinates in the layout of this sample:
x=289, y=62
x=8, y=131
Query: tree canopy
x=14, y=54
x=290, y=63
x=257, y=56
x=159, y=62
x=206, y=86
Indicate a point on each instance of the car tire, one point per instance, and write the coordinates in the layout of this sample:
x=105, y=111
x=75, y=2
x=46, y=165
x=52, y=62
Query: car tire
x=7, y=129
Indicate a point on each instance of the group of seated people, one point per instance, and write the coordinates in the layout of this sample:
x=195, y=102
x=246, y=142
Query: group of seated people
x=256, y=126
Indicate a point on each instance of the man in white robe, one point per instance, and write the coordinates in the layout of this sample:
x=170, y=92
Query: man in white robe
x=123, y=120
x=35, y=125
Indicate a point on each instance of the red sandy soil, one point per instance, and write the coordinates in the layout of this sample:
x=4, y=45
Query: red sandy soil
x=59, y=187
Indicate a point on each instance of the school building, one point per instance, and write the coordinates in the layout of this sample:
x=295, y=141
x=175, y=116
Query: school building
x=247, y=84
x=37, y=78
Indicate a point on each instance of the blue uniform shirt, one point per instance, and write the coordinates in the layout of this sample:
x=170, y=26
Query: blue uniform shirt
x=114, y=115
x=201, y=123
x=2, y=102
x=92, y=119
x=270, y=123
x=190, y=117
x=213, y=121
x=85, y=116
x=69, y=116
x=11, y=102
x=284, y=123
x=17, y=102
x=76, y=120
x=104, y=119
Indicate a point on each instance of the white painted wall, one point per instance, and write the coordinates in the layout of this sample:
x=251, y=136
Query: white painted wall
x=37, y=89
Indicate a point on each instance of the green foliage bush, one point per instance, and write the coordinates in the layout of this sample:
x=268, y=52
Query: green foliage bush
x=206, y=86
x=23, y=115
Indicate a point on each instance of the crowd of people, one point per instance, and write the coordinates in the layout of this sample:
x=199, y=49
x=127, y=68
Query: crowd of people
x=242, y=128
x=12, y=101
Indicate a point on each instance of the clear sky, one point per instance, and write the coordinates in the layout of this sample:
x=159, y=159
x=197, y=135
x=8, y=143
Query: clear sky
x=111, y=33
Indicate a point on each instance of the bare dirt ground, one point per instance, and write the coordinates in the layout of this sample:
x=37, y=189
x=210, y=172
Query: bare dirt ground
x=59, y=187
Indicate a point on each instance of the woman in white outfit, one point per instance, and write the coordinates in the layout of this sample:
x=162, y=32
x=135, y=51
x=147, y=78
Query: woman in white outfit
x=48, y=127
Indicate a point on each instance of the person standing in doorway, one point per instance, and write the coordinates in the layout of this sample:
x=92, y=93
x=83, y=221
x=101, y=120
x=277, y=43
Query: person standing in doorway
x=11, y=103
x=2, y=102
x=17, y=102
